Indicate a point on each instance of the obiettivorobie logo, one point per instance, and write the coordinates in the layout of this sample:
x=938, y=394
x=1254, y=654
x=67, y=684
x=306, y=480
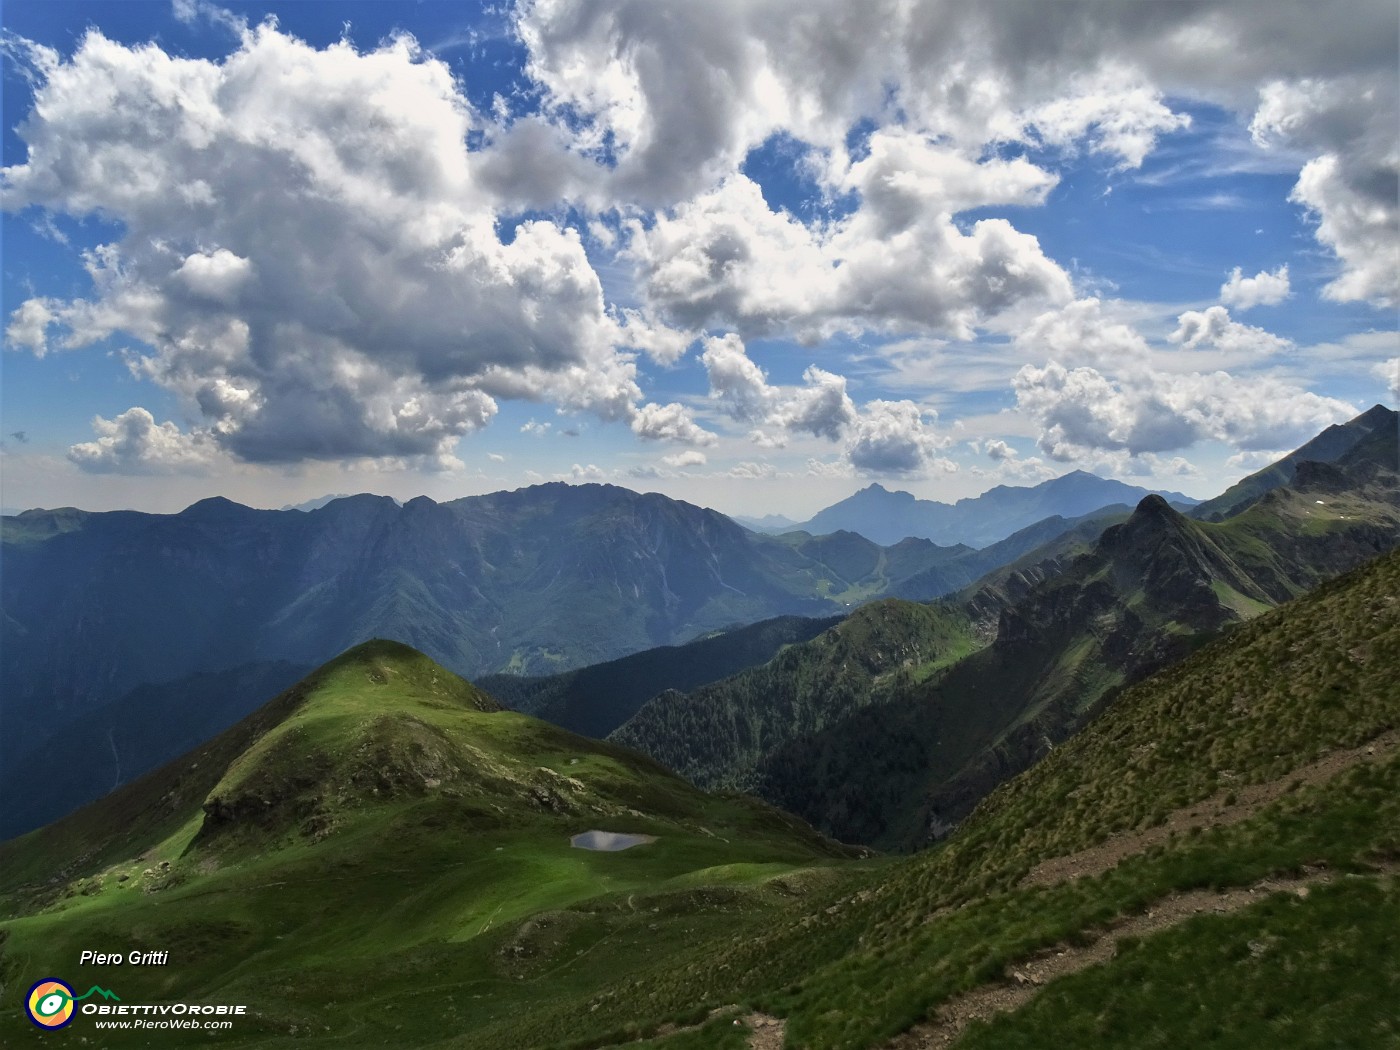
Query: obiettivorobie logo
x=50, y=1003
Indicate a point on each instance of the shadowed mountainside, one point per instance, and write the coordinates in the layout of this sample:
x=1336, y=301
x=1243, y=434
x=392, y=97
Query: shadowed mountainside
x=896, y=751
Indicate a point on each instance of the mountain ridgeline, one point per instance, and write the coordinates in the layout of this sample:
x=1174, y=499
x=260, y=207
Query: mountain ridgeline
x=886, y=517
x=896, y=745
x=1377, y=423
x=141, y=634
x=98, y=605
x=596, y=700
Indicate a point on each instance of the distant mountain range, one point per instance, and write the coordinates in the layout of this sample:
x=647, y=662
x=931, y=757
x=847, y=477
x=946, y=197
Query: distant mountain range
x=140, y=634
x=767, y=523
x=886, y=516
x=886, y=731
x=318, y=502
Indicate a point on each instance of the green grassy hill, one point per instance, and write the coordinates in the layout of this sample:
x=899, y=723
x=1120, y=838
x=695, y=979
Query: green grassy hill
x=382, y=827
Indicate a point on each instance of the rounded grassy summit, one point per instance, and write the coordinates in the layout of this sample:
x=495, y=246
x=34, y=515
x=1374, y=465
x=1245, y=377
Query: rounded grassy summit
x=382, y=824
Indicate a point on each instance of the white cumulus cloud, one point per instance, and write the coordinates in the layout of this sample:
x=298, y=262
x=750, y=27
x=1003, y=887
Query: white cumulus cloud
x=1081, y=332
x=1081, y=410
x=1213, y=328
x=669, y=422
x=29, y=325
x=134, y=443
x=311, y=252
x=895, y=437
x=689, y=458
x=1352, y=183
x=1263, y=289
x=898, y=263
x=1389, y=373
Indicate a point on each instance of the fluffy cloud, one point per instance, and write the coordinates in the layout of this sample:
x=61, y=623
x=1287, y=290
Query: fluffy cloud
x=311, y=252
x=219, y=276
x=688, y=458
x=1079, y=332
x=669, y=423
x=1389, y=372
x=892, y=437
x=29, y=325
x=321, y=268
x=999, y=451
x=820, y=407
x=1352, y=185
x=674, y=98
x=749, y=470
x=1263, y=289
x=1080, y=410
x=134, y=443
x=898, y=263
x=1213, y=329
x=1117, y=114
x=736, y=382
x=883, y=437
x=1362, y=227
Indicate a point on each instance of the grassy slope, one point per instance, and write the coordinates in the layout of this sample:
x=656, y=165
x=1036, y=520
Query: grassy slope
x=873, y=742
x=1314, y=973
x=880, y=953
x=379, y=829
x=408, y=926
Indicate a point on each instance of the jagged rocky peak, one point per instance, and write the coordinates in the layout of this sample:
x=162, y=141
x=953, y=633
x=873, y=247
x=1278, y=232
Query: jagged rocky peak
x=1154, y=506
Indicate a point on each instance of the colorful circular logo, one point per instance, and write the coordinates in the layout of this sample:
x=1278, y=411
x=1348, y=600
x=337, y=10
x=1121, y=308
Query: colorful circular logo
x=50, y=1003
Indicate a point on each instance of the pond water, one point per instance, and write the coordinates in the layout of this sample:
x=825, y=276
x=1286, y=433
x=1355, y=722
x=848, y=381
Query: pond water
x=609, y=841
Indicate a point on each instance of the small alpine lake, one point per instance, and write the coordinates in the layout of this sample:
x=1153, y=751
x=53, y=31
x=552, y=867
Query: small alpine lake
x=609, y=841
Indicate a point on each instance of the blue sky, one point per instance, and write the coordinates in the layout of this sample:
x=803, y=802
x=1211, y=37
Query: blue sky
x=752, y=260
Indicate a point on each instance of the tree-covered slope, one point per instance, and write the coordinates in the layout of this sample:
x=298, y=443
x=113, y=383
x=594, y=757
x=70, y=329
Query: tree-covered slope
x=720, y=734
x=597, y=699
